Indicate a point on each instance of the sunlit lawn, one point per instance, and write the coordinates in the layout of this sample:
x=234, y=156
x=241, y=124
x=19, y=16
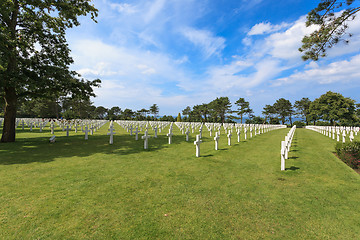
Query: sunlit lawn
x=77, y=189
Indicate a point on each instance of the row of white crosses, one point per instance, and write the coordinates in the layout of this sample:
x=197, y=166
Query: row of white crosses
x=138, y=126
x=228, y=128
x=285, y=147
x=330, y=131
x=66, y=125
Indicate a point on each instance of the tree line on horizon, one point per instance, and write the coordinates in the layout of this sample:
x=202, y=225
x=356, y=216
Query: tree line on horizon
x=329, y=109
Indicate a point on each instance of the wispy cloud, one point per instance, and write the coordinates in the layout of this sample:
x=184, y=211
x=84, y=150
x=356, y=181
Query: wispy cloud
x=124, y=8
x=206, y=40
x=346, y=71
x=266, y=28
x=154, y=8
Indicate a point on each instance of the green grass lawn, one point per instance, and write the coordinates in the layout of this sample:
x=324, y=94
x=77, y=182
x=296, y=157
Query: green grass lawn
x=77, y=189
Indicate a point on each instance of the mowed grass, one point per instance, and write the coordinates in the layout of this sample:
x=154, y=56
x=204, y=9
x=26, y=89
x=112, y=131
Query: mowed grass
x=77, y=189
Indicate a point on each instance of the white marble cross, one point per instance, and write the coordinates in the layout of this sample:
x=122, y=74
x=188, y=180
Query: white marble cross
x=343, y=135
x=216, y=139
x=131, y=130
x=187, y=134
x=238, y=132
x=170, y=134
x=31, y=127
x=146, y=137
x=86, y=131
x=200, y=131
x=197, y=143
x=282, y=153
x=337, y=135
x=229, y=138
x=156, y=131
x=92, y=129
x=111, y=133
x=245, y=131
x=136, y=133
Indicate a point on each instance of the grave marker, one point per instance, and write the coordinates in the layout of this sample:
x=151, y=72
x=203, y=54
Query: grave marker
x=86, y=131
x=136, y=133
x=197, y=143
x=111, y=133
x=145, y=137
x=216, y=139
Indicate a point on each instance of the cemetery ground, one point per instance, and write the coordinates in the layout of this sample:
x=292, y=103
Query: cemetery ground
x=89, y=189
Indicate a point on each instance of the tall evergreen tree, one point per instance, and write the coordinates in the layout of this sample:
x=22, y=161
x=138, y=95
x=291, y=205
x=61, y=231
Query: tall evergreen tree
x=221, y=106
x=303, y=108
x=283, y=109
x=154, y=109
x=243, y=108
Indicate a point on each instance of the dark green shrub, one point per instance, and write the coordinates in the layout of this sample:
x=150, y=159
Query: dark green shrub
x=349, y=153
x=299, y=124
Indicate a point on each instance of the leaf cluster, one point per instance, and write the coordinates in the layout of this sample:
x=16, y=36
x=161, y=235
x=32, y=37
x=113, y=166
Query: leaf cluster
x=331, y=17
x=34, y=54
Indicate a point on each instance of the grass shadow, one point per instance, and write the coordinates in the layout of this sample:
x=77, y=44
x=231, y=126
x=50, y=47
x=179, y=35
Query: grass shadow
x=31, y=149
x=292, y=168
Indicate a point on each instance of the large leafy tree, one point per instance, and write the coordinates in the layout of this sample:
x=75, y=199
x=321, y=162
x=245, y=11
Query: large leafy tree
x=186, y=111
x=333, y=107
x=114, y=113
x=303, y=108
x=332, y=18
x=269, y=112
x=34, y=54
x=40, y=108
x=243, y=108
x=154, y=109
x=220, y=106
x=283, y=109
x=101, y=112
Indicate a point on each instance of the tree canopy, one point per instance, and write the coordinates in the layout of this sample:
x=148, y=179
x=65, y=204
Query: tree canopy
x=333, y=107
x=331, y=17
x=154, y=109
x=303, y=108
x=243, y=108
x=34, y=54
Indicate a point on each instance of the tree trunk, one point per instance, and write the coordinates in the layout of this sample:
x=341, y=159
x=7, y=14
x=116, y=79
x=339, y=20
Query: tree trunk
x=8, y=134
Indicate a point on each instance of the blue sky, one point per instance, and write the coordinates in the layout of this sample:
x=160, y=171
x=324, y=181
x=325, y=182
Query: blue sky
x=179, y=53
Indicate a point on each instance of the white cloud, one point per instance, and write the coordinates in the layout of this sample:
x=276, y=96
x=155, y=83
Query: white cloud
x=124, y=8
x=346, y=71
x=154, y=9
x=241, y=75
x=210, y=44
x=265, y=28
x=99, y=69
x=146, y=69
